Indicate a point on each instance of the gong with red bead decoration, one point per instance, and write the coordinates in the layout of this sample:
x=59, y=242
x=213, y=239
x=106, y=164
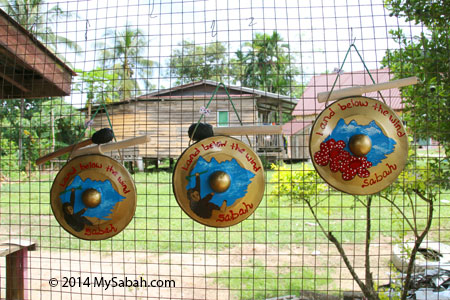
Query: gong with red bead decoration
x=358, y=145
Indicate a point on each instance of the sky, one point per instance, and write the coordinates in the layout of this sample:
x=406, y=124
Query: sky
x=319, y=32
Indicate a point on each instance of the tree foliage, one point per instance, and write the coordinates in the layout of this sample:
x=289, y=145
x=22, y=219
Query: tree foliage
x=193, y=62
x=432, y=14
x=426, y=56
x=266, y=64
x=98, y=85
x=31, y=127
x=427, y=107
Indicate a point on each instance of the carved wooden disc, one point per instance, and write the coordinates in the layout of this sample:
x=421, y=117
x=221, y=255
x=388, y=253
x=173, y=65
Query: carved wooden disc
x=75, y=192
x=358, y=145
x=211, y=197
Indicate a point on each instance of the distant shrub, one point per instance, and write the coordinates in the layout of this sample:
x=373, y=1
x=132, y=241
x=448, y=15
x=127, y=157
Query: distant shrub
x=8, y=155
x=301, y=182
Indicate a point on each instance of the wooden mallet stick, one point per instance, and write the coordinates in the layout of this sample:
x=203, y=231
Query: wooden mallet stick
x=205, y=130
x=248, y=130
x=102, y=136
x=362, y=89
x=101, y=149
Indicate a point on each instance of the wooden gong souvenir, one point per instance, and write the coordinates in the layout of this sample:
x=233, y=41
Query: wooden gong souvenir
x=93, y=197
x=358, y=145
x=218, y=181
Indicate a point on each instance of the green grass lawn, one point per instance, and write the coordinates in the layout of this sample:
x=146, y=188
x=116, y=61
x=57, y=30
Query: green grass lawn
x=159, y=224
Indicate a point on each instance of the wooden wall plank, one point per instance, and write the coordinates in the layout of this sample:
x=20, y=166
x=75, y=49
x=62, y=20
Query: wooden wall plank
x=167, y=122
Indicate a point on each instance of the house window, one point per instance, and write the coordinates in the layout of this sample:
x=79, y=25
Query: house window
x=222, y=119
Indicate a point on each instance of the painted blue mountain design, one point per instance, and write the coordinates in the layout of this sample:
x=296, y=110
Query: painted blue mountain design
x=240, y=179
x=109, y=197
x=381, y=144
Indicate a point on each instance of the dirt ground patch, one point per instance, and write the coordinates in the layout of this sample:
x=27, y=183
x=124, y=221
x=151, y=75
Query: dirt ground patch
x=194, y=274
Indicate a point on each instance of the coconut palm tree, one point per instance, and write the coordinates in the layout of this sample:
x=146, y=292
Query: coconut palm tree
x=36, y=17
x=124, y=54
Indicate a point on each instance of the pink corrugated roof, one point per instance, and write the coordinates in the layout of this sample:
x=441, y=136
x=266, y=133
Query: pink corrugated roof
x=294, y=126
x=308, y=104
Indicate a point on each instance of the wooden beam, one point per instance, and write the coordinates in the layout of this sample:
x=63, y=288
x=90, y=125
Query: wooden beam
x=16, y=252
x=14, y=83
x=35, y=57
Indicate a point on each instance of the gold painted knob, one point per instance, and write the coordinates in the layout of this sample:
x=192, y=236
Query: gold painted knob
x=91, y=197
x=219, y=181
x=360, y=144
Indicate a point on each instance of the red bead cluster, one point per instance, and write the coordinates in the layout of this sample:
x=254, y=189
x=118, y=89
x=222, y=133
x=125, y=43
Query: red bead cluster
x=341, y=160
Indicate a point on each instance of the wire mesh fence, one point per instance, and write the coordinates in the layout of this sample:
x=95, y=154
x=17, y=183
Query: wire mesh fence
x=154, y=68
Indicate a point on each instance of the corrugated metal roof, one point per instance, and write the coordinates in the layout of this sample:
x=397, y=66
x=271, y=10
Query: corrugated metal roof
x=294, y=126
x=308, y=104
x=176, y=93
x=195, y=97
x=241, y=89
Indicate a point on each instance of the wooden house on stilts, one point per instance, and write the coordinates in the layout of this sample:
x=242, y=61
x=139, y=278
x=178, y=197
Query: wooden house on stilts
x=166, y=115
